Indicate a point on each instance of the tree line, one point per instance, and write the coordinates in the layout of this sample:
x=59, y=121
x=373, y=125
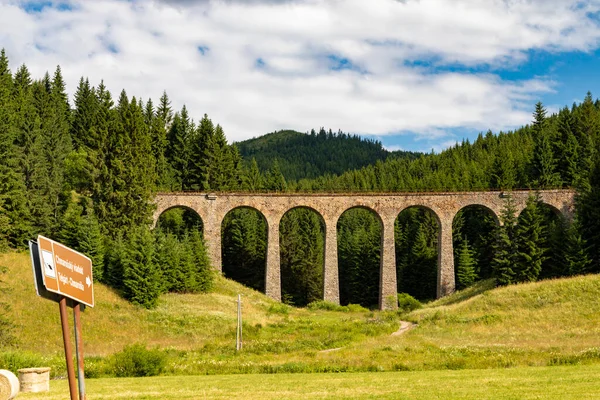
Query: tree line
x=316, y=153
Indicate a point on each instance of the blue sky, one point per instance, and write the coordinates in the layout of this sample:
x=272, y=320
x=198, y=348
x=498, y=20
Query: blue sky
x=415, y=74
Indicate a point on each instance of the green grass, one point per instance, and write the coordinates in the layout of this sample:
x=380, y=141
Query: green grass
x=540, y=324
x=517, y=383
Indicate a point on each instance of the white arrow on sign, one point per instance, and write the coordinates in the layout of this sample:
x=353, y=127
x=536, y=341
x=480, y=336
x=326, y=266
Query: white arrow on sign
x=88, y=281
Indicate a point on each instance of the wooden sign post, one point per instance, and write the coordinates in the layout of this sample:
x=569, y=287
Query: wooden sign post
x=65, y=275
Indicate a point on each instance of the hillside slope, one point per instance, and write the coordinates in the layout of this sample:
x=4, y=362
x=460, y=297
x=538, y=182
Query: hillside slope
x=543, y=323
x=312, y=155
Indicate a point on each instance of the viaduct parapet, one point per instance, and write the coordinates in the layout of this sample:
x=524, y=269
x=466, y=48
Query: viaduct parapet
x=213, y=208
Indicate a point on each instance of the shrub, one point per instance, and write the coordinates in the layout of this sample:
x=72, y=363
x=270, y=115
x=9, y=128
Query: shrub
x=407, y=303
x=15, y=360
x=356, y=308
x=136, y=360
x=279, y=308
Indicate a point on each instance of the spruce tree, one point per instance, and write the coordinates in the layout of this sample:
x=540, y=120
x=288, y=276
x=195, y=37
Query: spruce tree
x=15, y=218
x=201, y=268
x=587, y=127
x=275, y=182
x=588, y=210
x=465, y=270
x=544, y=161
x=574, y=256
x=202, y=149
x=568, y=149
x=252, y=179
x=505, y=249
x=141, y=275
x=179, y=152
x=529, y=236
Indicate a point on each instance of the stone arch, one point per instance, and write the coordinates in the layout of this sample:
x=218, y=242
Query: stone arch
x=362, y=207
x=483, y=206
x=188, y=215
x=244, y=237
x=474, y=231
x=417, y=274
x=359, y=245
x=304, y=252
x=558, y=213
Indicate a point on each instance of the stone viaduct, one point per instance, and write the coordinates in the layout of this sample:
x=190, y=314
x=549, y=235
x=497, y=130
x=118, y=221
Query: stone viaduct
x=212, y=208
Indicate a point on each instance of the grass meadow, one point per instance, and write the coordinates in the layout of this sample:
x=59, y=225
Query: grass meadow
x=484, y=336
x=573, y=382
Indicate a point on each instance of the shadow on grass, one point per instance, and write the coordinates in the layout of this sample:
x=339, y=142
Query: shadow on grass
x=466, y=294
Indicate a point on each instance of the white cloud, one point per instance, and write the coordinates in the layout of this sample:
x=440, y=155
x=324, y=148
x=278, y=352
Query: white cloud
x=157, y=43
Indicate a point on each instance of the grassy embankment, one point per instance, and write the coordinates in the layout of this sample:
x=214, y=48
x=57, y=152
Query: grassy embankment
x=539, y=324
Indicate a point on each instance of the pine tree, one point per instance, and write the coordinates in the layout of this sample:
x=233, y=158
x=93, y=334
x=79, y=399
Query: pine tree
x=50, y=147
x=275, y=181
x=179, y=151
x=587, y=130
x=114, y=261
x=568, y=149
x=219, y=171
x=164, y=112
x=141, y=276
x=465, y=271
x=14, y=214
x=588, y=210
x=158, y=122
x=127, y=180
x=243, y=238
x=544, y=162
x=576, y=259
x=252, y=179
x=202, y=149
x=201, y=268
x=529, y=236
x=504, y=175
x=90, y=243
x=505, y=247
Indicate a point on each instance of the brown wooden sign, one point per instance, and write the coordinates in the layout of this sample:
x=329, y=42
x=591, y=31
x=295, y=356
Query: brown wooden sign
x=66, y=271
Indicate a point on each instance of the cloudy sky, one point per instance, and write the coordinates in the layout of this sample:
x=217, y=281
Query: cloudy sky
x=415, y=74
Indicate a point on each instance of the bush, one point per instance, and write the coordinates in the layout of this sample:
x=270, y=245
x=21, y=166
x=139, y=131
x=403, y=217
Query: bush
x=279, y=308
x=329, y=306
x=15, y=360
x=325, y=305
x=136, y=360
x=407, y=303
x=356, y=308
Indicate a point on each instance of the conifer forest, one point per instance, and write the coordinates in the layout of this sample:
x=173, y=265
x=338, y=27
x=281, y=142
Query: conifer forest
x=84, y=172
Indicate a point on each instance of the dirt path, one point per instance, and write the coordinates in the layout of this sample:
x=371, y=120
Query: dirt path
x=405, y=326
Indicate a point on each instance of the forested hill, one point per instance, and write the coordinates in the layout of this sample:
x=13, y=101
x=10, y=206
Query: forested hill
x=315, y=154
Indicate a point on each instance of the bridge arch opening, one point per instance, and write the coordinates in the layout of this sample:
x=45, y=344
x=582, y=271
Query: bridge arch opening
x=552, y=238
x=180, y=251
x=244, y=247
x=473, y=236
x=359, y=232
x=179, y=221
x=302, y=255
x=416, y=236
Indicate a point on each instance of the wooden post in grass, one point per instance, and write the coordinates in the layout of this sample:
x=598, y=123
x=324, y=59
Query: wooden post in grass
x=79, y=351
x=238, y=333
x=68, y=351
